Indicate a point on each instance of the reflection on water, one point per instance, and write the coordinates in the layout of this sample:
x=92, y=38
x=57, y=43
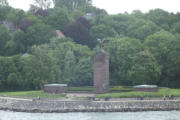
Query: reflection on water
x=168, y=115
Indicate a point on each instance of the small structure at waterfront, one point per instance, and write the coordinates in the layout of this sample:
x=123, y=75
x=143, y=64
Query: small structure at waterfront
x=146, y=88
x=55, y=88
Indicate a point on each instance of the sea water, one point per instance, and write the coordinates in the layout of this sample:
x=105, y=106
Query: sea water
x=155, y=115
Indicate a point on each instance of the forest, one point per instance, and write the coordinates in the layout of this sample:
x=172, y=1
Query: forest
x=144, y=48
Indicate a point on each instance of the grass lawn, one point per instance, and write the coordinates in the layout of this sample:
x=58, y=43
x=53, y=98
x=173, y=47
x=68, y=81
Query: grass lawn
x=121, y=88
x=116, y=92
x=112, y=88
x=133, y=94
x=32, y=94
x=89, y=88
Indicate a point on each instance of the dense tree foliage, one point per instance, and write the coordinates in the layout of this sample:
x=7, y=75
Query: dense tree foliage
x=79, y=31
x=101, y=31
x=145, y=69
x=5, y=37
x=15, y=16
x=74, y=61
x=3, y=3
x=122, y=50
x=72, y=4
x=44, y=4
x=17, y=44
x=3, y=12
x=144, y=48
x=59, y=19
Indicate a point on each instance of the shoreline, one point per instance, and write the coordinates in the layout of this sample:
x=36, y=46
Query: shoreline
x=57, y=106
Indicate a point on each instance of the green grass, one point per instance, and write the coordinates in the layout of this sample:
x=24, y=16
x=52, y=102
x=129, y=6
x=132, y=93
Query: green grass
x=133, y=94
x=121, y=88
x=89, y=88
x=113, y=88
x=116, y=92
x=175, y=92
x=32, y=94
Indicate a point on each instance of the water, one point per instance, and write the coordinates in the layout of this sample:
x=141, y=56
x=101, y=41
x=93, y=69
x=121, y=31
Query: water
x=168, y=115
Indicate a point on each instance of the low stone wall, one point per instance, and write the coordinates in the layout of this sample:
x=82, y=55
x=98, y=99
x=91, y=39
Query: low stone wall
x=146, y=89
x=27, y=105
x=55, y=88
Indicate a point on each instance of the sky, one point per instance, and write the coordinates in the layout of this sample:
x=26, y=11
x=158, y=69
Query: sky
x=118, y=6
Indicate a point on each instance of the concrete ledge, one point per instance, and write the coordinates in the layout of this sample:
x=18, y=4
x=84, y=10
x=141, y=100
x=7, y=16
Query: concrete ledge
x=87, y=106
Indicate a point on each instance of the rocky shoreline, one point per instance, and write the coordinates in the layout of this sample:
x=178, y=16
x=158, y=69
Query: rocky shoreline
x=50, y=106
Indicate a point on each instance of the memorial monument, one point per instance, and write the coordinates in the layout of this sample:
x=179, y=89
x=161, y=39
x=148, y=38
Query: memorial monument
x=101, y=69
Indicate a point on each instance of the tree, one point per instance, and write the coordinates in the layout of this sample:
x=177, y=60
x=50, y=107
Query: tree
x=102, y=31
x=25, y=24
x=29, y=67
x=79, y=31
x=160, y=17
x=5, y=37
x=36, y=68
x=144, y=70
x=176, y=27
x=92, y=9
x=4, y=3
x=59, y=48
x=72, y=4
x=43, y=4
x=59, y=19
x=14, y=81
x=43, y=65
x=83, y=72
x=159, y=45
x=8, y=66
x=173, y=64
x=4, y=62
x=69, y=68
x=76, y=14
x=141, y=28
x=38, y=34
x=41, y=12
x=16, y=16
x=3, y=12
x=122, y=51
x=19, y=42
x=138, y=14
x=73, y=60
x=119, y=23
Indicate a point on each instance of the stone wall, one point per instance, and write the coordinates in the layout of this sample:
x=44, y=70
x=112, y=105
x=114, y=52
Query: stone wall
x=88, y=106
x=55, y=88
x=146, y=89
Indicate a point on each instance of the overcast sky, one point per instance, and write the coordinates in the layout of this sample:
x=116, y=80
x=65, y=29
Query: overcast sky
x=119, y=6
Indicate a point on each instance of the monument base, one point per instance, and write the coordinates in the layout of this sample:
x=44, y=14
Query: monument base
x=100, y=90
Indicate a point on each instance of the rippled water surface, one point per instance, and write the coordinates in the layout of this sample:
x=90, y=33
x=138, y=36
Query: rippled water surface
x=169, y=115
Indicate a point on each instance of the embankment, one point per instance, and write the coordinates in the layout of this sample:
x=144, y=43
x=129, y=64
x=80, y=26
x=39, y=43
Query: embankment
x=28, y=105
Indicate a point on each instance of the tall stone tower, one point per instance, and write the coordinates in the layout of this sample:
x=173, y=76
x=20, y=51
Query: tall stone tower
x=101, y=71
